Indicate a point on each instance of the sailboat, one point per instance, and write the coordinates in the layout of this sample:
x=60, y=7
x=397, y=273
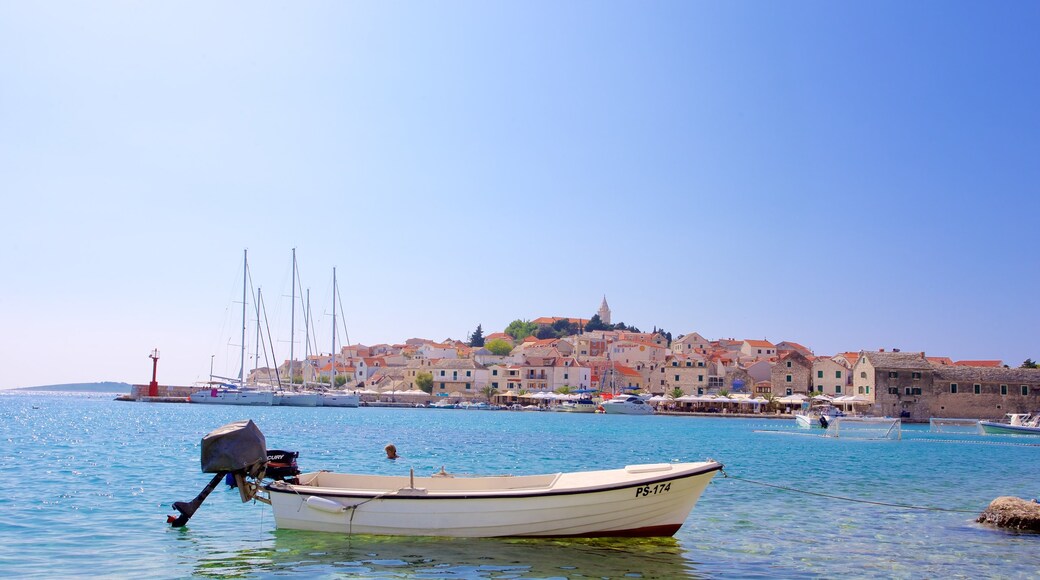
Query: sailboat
x=234, y=391
x=334, y=397
x=290, y=397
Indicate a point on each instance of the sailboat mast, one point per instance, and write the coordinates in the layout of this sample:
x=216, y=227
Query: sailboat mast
x=292, y=318
x=332, y=372
x=245, y=276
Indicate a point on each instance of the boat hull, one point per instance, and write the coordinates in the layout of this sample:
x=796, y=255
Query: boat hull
x=345, y=400
x=993, y=428
x=228, y=397
x=644, y=501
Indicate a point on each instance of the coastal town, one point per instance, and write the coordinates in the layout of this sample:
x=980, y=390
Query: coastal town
x=688, y=373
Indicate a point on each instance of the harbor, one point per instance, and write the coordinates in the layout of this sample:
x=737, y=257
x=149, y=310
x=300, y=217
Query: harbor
x=109, y=470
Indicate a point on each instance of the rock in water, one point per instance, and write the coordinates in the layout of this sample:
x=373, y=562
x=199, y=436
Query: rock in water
x=1012, y=513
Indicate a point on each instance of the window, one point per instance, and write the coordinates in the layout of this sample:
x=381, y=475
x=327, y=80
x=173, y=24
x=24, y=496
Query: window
x=894, y=391
x=978, y=389
x=1003, y=389
x=700, y=378
x=868, y=390
x=468, y=386
x=906, y=391
x=893, y=374
x=442, y=386
x=819, y=374
x=863, y=374
x=837, y=390
x=565, y=376
x=953, y=388
x=789, y=393
x=915, y=376
x=788, y=364
x=494, y=385
x=788, y=379
x=837, y=374
x=861, y=390
x=494, y=373
x=442, y=373
x=677, y=378
x=915, y=391
x=1025, y=390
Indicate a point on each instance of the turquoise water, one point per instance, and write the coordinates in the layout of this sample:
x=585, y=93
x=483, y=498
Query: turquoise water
x=89, y=482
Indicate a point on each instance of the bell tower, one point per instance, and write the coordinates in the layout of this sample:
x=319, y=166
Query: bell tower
x=604, y=311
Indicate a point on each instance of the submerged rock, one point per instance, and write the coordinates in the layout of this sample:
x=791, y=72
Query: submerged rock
x=1012, y=513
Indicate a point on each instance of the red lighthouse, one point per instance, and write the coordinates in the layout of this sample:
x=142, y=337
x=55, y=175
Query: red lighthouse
x=153, y=387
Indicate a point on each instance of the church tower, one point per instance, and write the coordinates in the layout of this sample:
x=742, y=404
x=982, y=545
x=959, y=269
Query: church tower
x=604, y=311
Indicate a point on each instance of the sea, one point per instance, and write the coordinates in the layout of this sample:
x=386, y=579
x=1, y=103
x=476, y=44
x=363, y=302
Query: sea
x=89, y=482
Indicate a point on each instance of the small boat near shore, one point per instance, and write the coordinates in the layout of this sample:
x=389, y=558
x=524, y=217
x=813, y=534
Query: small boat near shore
x=650, y=500
x=626, y=405
x=1017, y=424
x=228, y=395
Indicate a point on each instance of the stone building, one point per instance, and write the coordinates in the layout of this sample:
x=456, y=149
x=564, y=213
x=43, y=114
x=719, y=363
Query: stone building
x=883, y=377
x=791, y=375
x=983, y=392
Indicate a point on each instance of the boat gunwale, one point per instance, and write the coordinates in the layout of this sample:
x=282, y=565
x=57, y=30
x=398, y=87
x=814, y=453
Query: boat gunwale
x=300, y=490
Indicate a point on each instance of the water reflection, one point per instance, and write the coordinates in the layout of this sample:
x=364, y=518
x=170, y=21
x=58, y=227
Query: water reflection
x=435, y=558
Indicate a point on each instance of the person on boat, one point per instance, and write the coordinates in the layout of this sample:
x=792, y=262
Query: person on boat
x=391, y=451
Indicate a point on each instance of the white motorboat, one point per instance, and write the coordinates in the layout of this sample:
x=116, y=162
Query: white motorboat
x=1017, y=424
x=633, y=501
x=626, y=405
x=577, y=406
x=224, y=395
x=817, y=416
x=340, y=399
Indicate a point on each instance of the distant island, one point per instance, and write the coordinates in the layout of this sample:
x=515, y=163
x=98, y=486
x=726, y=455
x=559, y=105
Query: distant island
x=102, y=387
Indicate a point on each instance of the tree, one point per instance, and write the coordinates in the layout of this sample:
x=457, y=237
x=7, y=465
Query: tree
x=477, y=338
x=489, y=392
x=564, y=390
x=341, y=380
x=521, y=329
x=676, y=393
x=772, y=403
x=1030, y=364
x=595, y=323
x=545, y=332
x=498, y=347
x=424, y=381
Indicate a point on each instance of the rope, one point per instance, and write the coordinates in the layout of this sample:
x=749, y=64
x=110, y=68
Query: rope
x=850, y=499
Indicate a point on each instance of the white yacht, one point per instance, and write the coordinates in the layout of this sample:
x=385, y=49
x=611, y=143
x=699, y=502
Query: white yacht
x=626, y=405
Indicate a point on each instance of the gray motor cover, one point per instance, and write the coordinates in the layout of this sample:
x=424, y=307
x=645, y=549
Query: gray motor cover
x=233, y=447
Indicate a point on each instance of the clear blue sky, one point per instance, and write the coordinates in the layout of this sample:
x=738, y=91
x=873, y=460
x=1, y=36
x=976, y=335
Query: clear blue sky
x=847, y=175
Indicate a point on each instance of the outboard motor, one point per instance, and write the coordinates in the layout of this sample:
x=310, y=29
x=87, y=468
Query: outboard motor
x=281, y=465
x=237, y=449
x=823, y=421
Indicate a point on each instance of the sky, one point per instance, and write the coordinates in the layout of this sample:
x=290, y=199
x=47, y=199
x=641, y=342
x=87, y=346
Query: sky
x=846, y=175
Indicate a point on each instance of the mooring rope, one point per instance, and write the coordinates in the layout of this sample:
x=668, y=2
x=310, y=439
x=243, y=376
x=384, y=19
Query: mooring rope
x=850, y=499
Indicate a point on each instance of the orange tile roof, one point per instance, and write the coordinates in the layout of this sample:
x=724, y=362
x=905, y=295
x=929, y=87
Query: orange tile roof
x=760, y=343
x=979, y=363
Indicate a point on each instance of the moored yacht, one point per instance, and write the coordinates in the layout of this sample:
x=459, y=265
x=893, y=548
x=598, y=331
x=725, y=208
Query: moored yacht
x=626, y=405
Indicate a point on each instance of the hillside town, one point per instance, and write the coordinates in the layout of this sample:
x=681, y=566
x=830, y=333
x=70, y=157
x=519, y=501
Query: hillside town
x=912, y=385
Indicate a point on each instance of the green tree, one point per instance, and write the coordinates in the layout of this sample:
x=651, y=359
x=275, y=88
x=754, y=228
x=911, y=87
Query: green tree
x=297, y=379
x=521, y=329
x=341, y=380
x=564, y=390
x=1029, y=364
x=477, y=338
x=545, y=332
x=676, y=393
x=772, y=403
x=424, y=381
x=498, y=347
x=595, y=323
x=488, y=391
